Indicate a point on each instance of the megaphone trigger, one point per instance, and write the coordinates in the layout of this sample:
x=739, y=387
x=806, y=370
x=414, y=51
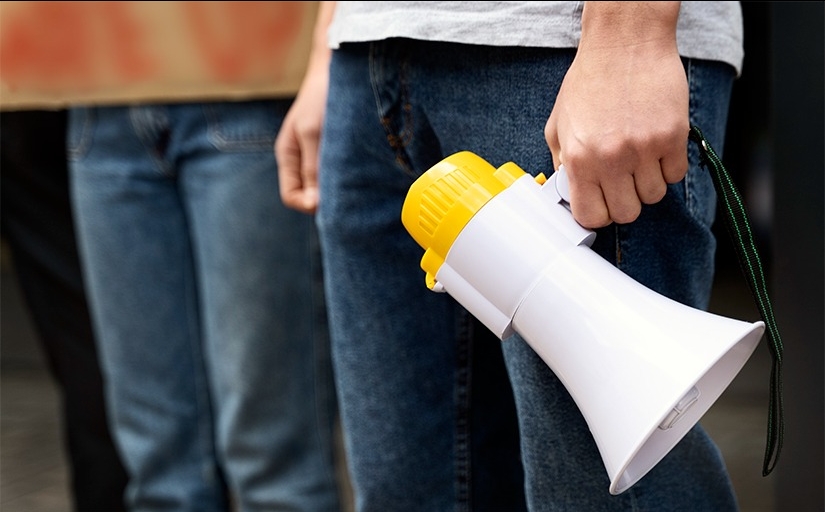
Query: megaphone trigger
x=562, y=185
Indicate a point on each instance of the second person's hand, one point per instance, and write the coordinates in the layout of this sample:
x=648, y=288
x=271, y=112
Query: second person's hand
x=298, y=141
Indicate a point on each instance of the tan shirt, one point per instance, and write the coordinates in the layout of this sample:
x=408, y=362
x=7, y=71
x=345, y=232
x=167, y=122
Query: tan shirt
x=57, y=54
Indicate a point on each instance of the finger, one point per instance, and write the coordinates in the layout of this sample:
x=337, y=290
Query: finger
x=552, y=138
x=623, y=204
x=674, y=164
x=650, y=185
x=587, y=204
x=309, y=172
x=290, y=180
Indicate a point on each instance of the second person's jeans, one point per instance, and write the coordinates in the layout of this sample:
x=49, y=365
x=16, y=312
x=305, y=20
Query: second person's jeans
x=207, y=299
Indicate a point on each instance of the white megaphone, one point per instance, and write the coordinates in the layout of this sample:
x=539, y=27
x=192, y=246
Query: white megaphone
x=642, y=368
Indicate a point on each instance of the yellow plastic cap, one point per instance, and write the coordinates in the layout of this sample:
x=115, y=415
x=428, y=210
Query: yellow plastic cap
x=444, y=199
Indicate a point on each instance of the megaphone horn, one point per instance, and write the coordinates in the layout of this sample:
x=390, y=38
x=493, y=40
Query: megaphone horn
x=642, y=368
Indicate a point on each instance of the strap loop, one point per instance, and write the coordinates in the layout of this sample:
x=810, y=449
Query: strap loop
x=736, y=220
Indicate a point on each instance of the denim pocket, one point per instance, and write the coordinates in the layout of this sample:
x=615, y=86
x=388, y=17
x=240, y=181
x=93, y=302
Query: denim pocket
x=245, y=126
x=79, y=133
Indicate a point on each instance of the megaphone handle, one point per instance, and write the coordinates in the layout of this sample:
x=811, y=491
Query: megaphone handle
x=739, y=230
x=562, y=185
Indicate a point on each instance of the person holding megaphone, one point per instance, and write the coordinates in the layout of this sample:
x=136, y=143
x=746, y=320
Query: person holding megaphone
x=438, y=414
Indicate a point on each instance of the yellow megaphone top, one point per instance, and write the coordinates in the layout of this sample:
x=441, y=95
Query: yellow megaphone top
x=444, y=199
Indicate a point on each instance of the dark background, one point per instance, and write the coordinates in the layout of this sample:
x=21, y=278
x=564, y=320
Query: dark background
x=774, y=149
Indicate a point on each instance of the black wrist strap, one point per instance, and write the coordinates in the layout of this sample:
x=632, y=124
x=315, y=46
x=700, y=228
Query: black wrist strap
x=736, y=220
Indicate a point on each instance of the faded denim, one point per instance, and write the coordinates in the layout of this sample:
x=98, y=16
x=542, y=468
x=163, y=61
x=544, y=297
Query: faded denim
x=207, y=299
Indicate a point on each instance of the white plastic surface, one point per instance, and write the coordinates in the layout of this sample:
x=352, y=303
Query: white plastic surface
x=627, y=355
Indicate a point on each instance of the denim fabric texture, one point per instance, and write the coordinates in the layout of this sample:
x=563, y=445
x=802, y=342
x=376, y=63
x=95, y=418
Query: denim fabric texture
x=425, y=403
x=207, y=299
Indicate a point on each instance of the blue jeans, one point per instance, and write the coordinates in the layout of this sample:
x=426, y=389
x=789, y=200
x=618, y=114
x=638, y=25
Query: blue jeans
x=427, y=425
x=207, y=299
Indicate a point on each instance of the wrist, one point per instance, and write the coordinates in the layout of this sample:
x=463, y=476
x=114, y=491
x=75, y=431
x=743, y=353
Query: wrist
x=612, y=24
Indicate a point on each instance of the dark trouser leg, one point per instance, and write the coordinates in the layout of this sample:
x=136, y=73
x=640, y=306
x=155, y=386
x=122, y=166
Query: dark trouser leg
x=37, y=224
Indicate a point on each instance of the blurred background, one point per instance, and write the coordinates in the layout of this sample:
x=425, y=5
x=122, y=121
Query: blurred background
x=775, y=149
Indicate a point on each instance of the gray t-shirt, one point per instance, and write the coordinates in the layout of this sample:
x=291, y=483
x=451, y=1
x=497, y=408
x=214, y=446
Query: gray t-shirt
x=706, y=30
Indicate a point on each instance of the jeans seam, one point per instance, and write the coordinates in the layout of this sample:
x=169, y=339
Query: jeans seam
x=77, y=148
x=216, y=133
x=152, y=127
x=692, y=153
x=398, y=142
x=463, y=462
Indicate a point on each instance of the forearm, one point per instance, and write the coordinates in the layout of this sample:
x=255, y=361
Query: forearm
x=321, y=52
